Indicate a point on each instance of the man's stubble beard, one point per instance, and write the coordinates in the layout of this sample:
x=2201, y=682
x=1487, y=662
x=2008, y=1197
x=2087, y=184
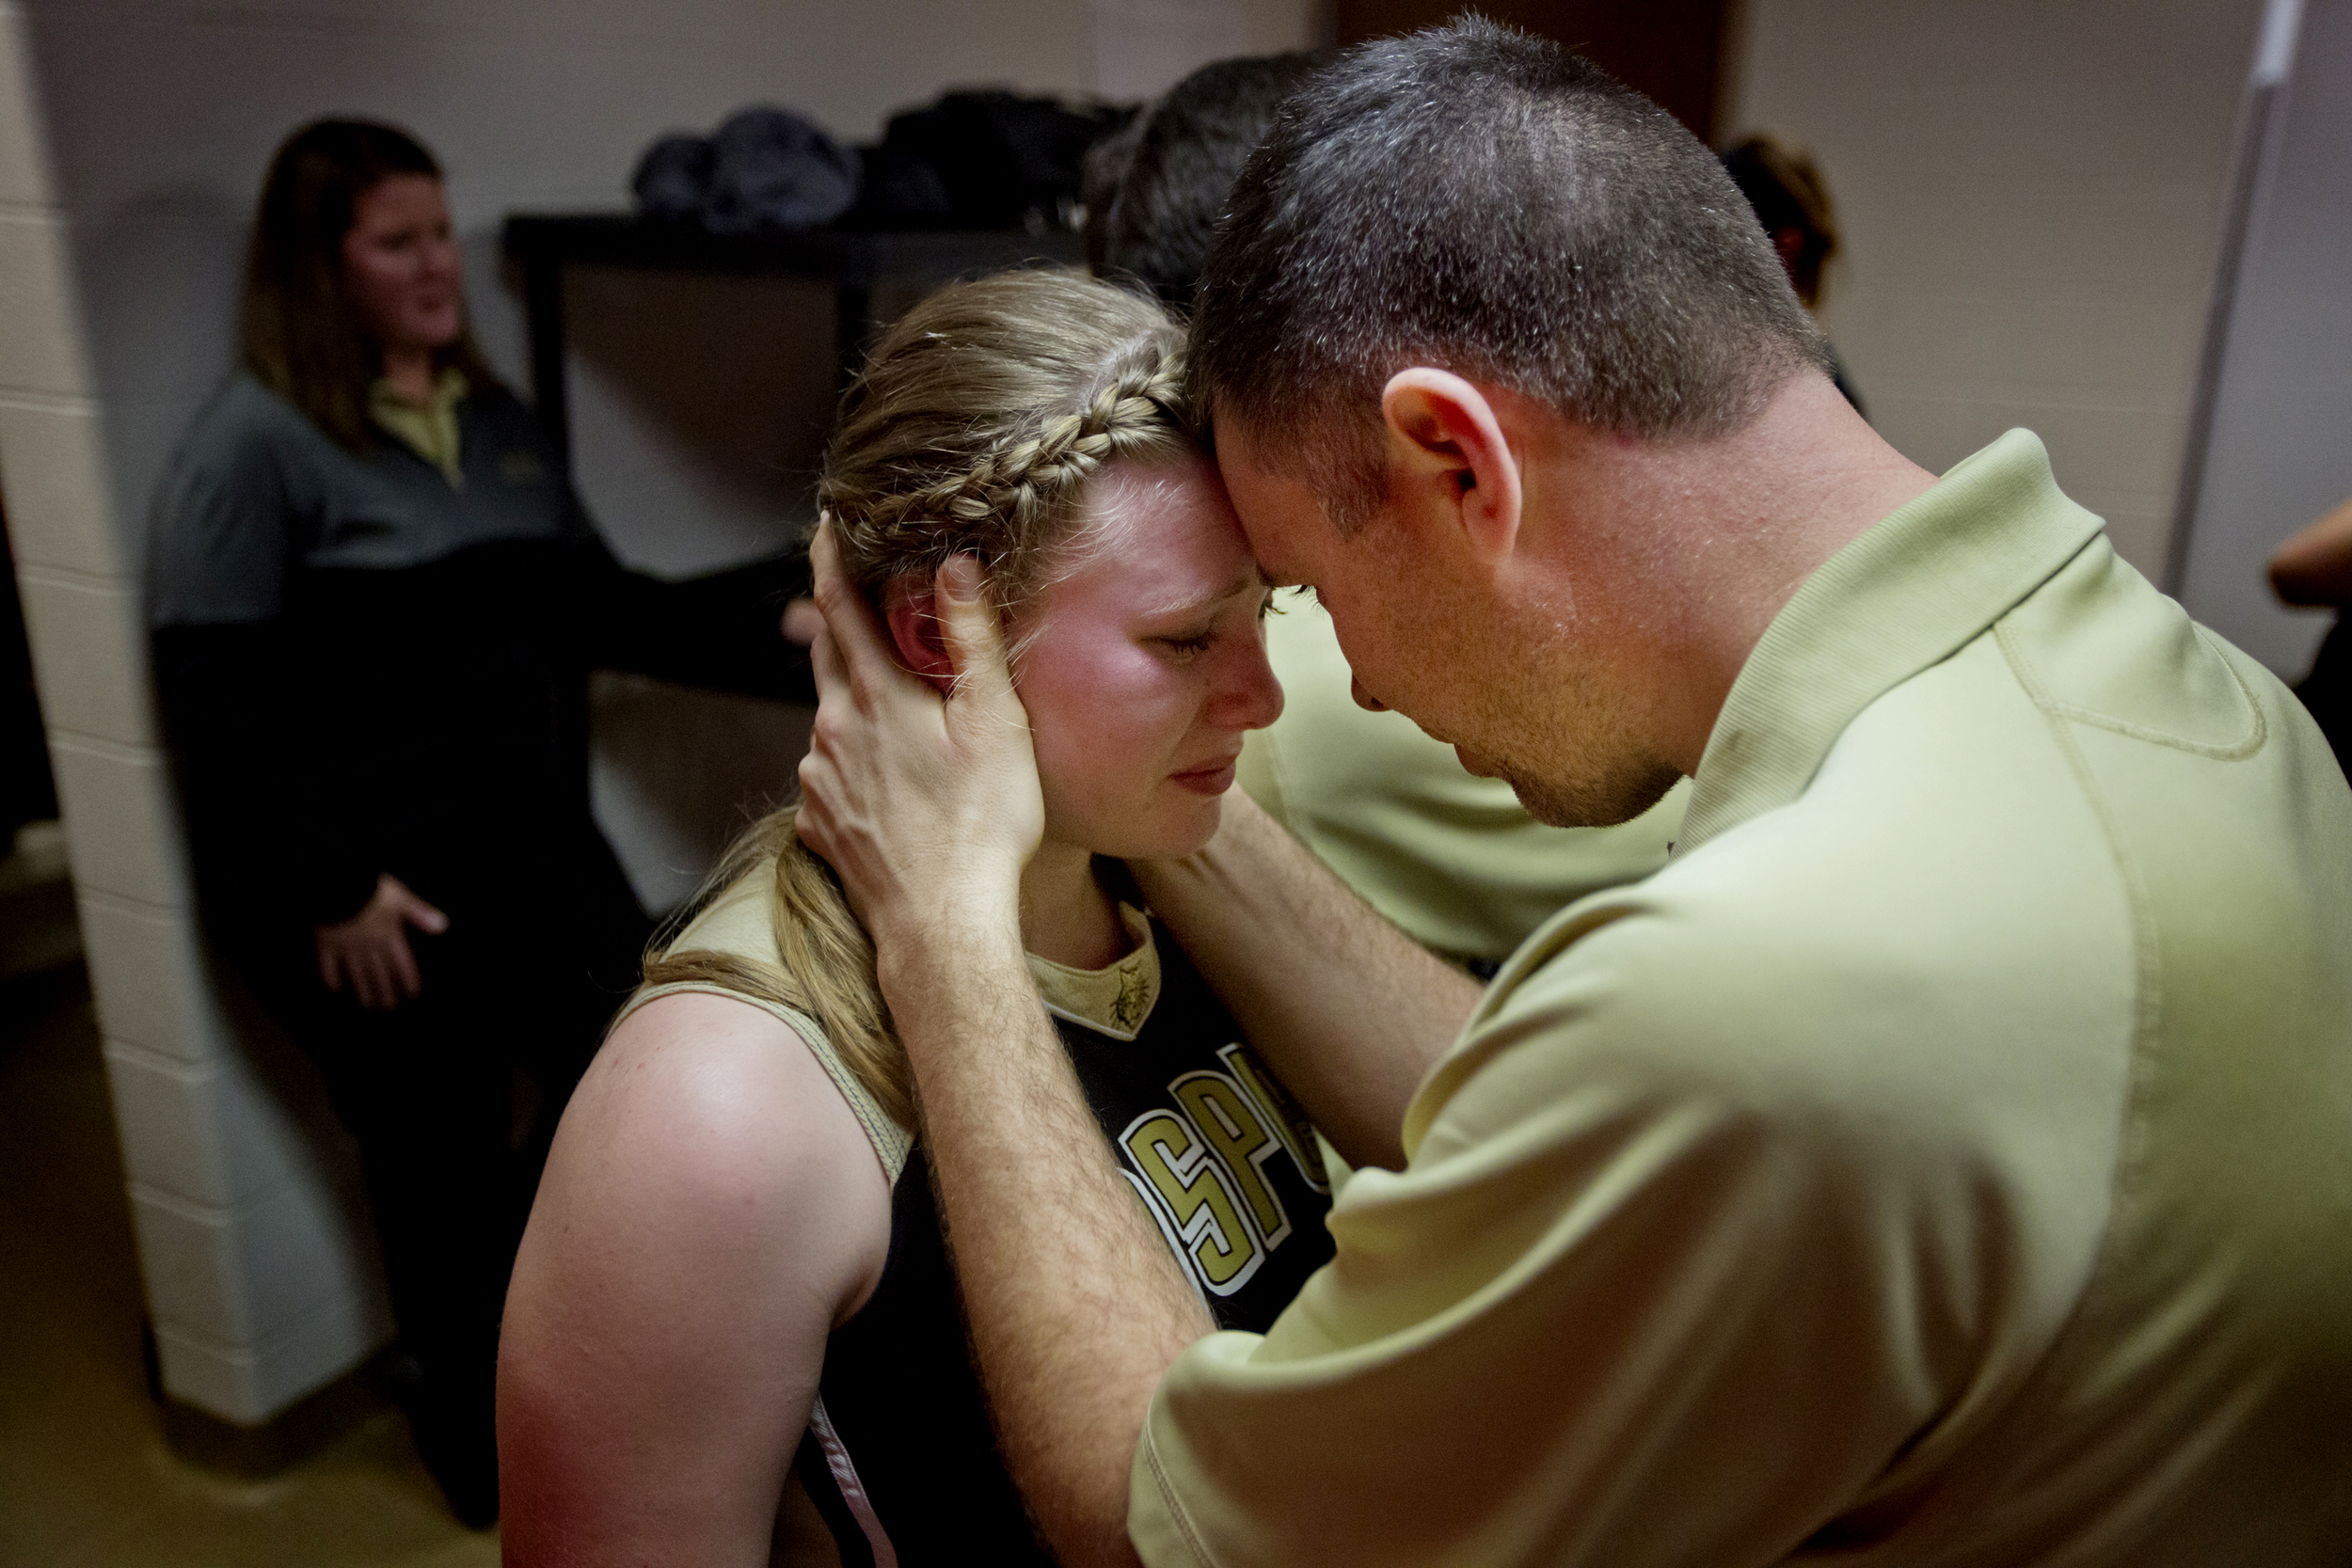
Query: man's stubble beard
x=1547, y=722
x=1596, y=803
x=1573, y=756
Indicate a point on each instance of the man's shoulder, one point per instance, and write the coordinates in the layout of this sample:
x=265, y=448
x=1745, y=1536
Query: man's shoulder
x=1946, y=840
x=1893, y=960
x=2217, y=798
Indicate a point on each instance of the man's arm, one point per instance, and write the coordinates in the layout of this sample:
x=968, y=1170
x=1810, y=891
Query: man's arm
x=1074, y=1305
x=1347, y=1009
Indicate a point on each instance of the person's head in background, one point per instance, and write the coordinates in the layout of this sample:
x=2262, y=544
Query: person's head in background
x=352, y=275
x=1450, y=232
x=1791, y=200
x=1154, y=191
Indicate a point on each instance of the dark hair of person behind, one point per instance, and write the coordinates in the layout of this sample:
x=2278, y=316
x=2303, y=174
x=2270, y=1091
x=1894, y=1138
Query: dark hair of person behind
x=1784, y=187
x=1486, y=202
x=1154, y=191
x=303, y=334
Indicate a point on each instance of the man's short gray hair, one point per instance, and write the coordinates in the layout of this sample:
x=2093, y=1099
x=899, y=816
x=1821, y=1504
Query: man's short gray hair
x=1480, y=200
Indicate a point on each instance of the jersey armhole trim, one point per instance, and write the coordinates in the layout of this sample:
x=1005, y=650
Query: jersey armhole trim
x=845, y=1477
x=891, y=1142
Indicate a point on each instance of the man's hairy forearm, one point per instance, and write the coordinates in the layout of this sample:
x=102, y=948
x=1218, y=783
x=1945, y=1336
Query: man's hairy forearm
x=1075, y=1306
x=1348, y=1010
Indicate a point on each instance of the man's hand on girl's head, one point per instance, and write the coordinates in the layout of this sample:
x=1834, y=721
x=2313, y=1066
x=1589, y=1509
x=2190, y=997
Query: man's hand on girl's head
x=927, y=809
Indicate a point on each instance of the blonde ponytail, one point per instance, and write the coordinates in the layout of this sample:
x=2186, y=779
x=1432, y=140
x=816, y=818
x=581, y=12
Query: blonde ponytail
x=826, y=961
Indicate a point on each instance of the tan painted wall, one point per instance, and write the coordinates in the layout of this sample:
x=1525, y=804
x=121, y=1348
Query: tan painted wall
x=2030, y=194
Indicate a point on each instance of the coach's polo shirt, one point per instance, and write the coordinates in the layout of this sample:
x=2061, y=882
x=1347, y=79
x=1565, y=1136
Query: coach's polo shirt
x=1947, y=1158
x=1452, y=858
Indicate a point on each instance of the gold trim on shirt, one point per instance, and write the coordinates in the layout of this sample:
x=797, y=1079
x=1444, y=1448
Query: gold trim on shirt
x=1115, y=999
x=428, y=429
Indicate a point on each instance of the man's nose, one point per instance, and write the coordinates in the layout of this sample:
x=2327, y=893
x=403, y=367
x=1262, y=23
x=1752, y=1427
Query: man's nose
x=1364, y=698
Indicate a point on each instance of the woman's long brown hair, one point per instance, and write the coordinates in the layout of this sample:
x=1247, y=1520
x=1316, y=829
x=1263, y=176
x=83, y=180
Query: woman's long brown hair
x=303, y=334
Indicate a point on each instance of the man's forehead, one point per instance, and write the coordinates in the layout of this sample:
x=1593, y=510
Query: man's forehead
x=1244, y=443
x=1271, y=500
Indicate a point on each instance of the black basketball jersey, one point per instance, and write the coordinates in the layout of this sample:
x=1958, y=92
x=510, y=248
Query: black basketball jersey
x=899, y=1456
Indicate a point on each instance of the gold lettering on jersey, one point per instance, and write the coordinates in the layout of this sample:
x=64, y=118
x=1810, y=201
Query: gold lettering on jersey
x=1191, y=1182
x=1231, y=1126
x=1289, y=1122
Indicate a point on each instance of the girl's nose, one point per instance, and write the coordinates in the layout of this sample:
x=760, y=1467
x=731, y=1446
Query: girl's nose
x=1248, y=696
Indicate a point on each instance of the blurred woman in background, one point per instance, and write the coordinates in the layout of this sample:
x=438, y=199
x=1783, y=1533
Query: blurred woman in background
x=375, y=598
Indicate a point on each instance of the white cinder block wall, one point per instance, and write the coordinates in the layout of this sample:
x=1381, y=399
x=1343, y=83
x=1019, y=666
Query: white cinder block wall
x=133, y=138
x=2031, y=198
x=259, y=1282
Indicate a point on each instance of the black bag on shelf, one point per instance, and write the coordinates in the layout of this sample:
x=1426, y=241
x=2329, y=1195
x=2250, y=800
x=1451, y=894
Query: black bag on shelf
x=986, y=159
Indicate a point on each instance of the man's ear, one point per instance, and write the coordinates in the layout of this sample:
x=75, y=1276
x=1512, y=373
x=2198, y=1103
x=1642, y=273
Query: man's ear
x=912, y=610
x=1447, y=453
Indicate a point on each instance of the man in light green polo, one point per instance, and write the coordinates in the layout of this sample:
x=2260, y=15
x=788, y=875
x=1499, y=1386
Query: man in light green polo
x=1945, y=1159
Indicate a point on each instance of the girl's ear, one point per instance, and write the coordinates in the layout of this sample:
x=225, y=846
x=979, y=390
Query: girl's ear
x=913, y=614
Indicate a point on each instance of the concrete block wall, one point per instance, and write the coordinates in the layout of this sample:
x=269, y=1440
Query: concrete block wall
x=259, y=1274
x=133, y=138
x=2031, y=195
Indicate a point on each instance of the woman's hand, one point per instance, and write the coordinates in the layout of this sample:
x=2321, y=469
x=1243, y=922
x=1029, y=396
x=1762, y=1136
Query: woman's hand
x=371, y=949
x=927, y=808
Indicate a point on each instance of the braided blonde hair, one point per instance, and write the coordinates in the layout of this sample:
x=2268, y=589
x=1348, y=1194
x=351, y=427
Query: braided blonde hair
x=981, y=418
x=975, y=425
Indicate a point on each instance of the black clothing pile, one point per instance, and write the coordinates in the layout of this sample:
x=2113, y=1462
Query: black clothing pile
x=981, y=159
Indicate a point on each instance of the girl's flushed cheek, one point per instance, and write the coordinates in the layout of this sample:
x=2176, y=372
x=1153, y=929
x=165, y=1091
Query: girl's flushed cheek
x=1108, y=718
x=1090, y=672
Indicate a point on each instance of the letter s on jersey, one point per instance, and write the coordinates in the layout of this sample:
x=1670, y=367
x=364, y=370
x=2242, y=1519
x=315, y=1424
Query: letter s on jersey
x=1195, y=1190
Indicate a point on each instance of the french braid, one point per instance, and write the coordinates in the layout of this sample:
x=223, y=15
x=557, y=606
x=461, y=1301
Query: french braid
x=919, y=472
x=1024, y=475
